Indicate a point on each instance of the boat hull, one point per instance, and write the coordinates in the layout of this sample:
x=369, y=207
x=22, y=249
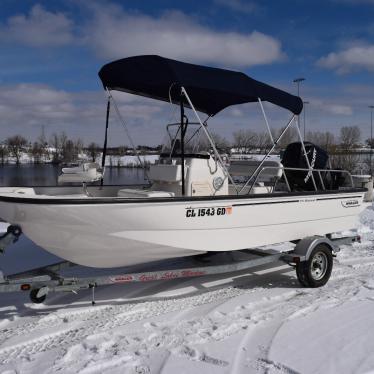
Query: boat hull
x=101, y=233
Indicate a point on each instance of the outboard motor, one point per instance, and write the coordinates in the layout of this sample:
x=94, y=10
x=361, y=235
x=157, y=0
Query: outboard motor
x=294, y=157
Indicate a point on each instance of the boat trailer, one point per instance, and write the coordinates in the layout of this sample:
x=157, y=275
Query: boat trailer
x=312, y=257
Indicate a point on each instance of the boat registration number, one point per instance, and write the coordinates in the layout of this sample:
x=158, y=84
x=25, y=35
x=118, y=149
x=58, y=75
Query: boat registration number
x=206, y=212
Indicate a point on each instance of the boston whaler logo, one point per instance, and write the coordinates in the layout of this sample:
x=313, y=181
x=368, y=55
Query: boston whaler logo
x=350, y=203
x=311, y=165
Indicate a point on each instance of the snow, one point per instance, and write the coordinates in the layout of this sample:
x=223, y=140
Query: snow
x=133, y=160
x=258, y=321
x=254, y=157
x=130, y=160
x=3, y=227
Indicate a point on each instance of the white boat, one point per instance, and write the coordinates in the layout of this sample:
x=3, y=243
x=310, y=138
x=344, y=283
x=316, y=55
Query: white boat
x=84, y=173
x=193, y=204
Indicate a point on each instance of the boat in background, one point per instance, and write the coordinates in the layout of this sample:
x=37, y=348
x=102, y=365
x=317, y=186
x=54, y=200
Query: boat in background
x=86, y=172
x=192, y=205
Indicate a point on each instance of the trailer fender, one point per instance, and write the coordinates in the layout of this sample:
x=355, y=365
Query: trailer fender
x=305, y=247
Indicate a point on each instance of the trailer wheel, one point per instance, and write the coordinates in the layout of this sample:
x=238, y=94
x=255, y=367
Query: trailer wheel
x=316, y=271
x=34, y=298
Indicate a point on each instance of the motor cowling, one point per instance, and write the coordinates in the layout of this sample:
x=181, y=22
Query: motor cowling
x=294, y=157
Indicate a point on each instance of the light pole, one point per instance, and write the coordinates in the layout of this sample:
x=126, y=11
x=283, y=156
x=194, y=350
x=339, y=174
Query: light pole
x=371, y=136
x=304, y=109
x=298, y=81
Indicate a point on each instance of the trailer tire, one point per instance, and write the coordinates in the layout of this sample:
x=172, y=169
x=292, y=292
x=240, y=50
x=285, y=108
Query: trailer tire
x=34, y=298
x=316, y=271
x=300, y=275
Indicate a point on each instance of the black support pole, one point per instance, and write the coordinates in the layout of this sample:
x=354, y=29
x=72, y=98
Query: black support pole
x=105, y=139
x=182, y=141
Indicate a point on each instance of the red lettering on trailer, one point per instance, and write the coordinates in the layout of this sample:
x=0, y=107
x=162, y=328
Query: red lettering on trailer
x=147, y=278
x=169, y=275
x=153, y=277
x=122, y=279
x=191, y=273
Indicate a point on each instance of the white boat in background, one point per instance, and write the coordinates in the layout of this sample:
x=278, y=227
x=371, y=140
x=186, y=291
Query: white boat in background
x=84, y=173
x=193, y=204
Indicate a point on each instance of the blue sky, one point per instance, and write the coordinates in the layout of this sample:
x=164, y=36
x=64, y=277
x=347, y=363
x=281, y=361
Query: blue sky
x=52, y=51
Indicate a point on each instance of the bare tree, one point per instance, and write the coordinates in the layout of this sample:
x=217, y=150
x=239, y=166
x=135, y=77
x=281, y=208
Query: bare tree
x=244, y=140
x=93, y=150
x=263, y=141
x=65, y=149
x=344, y=157
x=63, y=139
x=344, y=161
x=56, y=145
x=220, y=142
x=3, y=153
x=15, y=146
x=37, y=152
x=349, y=137
x=288, y=137
x=78, y=144
x=325, y=140
x=42, y=140
x=121, y=149
x=203, y=144
x=70, y=150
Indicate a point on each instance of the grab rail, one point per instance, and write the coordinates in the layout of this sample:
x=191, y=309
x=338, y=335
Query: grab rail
x=301, y=169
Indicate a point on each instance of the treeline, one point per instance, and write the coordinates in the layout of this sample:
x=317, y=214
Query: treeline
x=344, y=149
x=249, y=141
x=59, y=148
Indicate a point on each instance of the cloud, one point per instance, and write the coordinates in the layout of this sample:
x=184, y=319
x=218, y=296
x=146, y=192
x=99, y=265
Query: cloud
x=331, y=107
x=30, y=104
x=239, y=6
x=24, y=108
x=353, y=58
x=39, y=28
x=344, y=110
x=114, y=33
x=36, y=104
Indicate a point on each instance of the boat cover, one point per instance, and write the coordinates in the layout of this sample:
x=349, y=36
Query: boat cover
x=210, y=89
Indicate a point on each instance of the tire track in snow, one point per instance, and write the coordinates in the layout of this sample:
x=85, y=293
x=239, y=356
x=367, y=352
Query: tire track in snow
x=275, y=367
x=111, y=318
x=217, y=327
x=106, y=311
x=207, y=311
x=327, y=297
x=79, y=314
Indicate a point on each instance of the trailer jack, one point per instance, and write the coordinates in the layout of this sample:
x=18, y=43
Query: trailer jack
x=11, y=236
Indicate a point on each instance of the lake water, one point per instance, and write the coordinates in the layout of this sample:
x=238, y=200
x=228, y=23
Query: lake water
x=24, y=254
x=46, y=175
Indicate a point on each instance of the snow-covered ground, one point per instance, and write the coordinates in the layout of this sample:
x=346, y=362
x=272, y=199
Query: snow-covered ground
x=132, y=161
x=127, y=160
x=260, y=321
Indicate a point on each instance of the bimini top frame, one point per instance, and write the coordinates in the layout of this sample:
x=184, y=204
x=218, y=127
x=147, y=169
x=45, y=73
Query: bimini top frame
x=200, y=88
